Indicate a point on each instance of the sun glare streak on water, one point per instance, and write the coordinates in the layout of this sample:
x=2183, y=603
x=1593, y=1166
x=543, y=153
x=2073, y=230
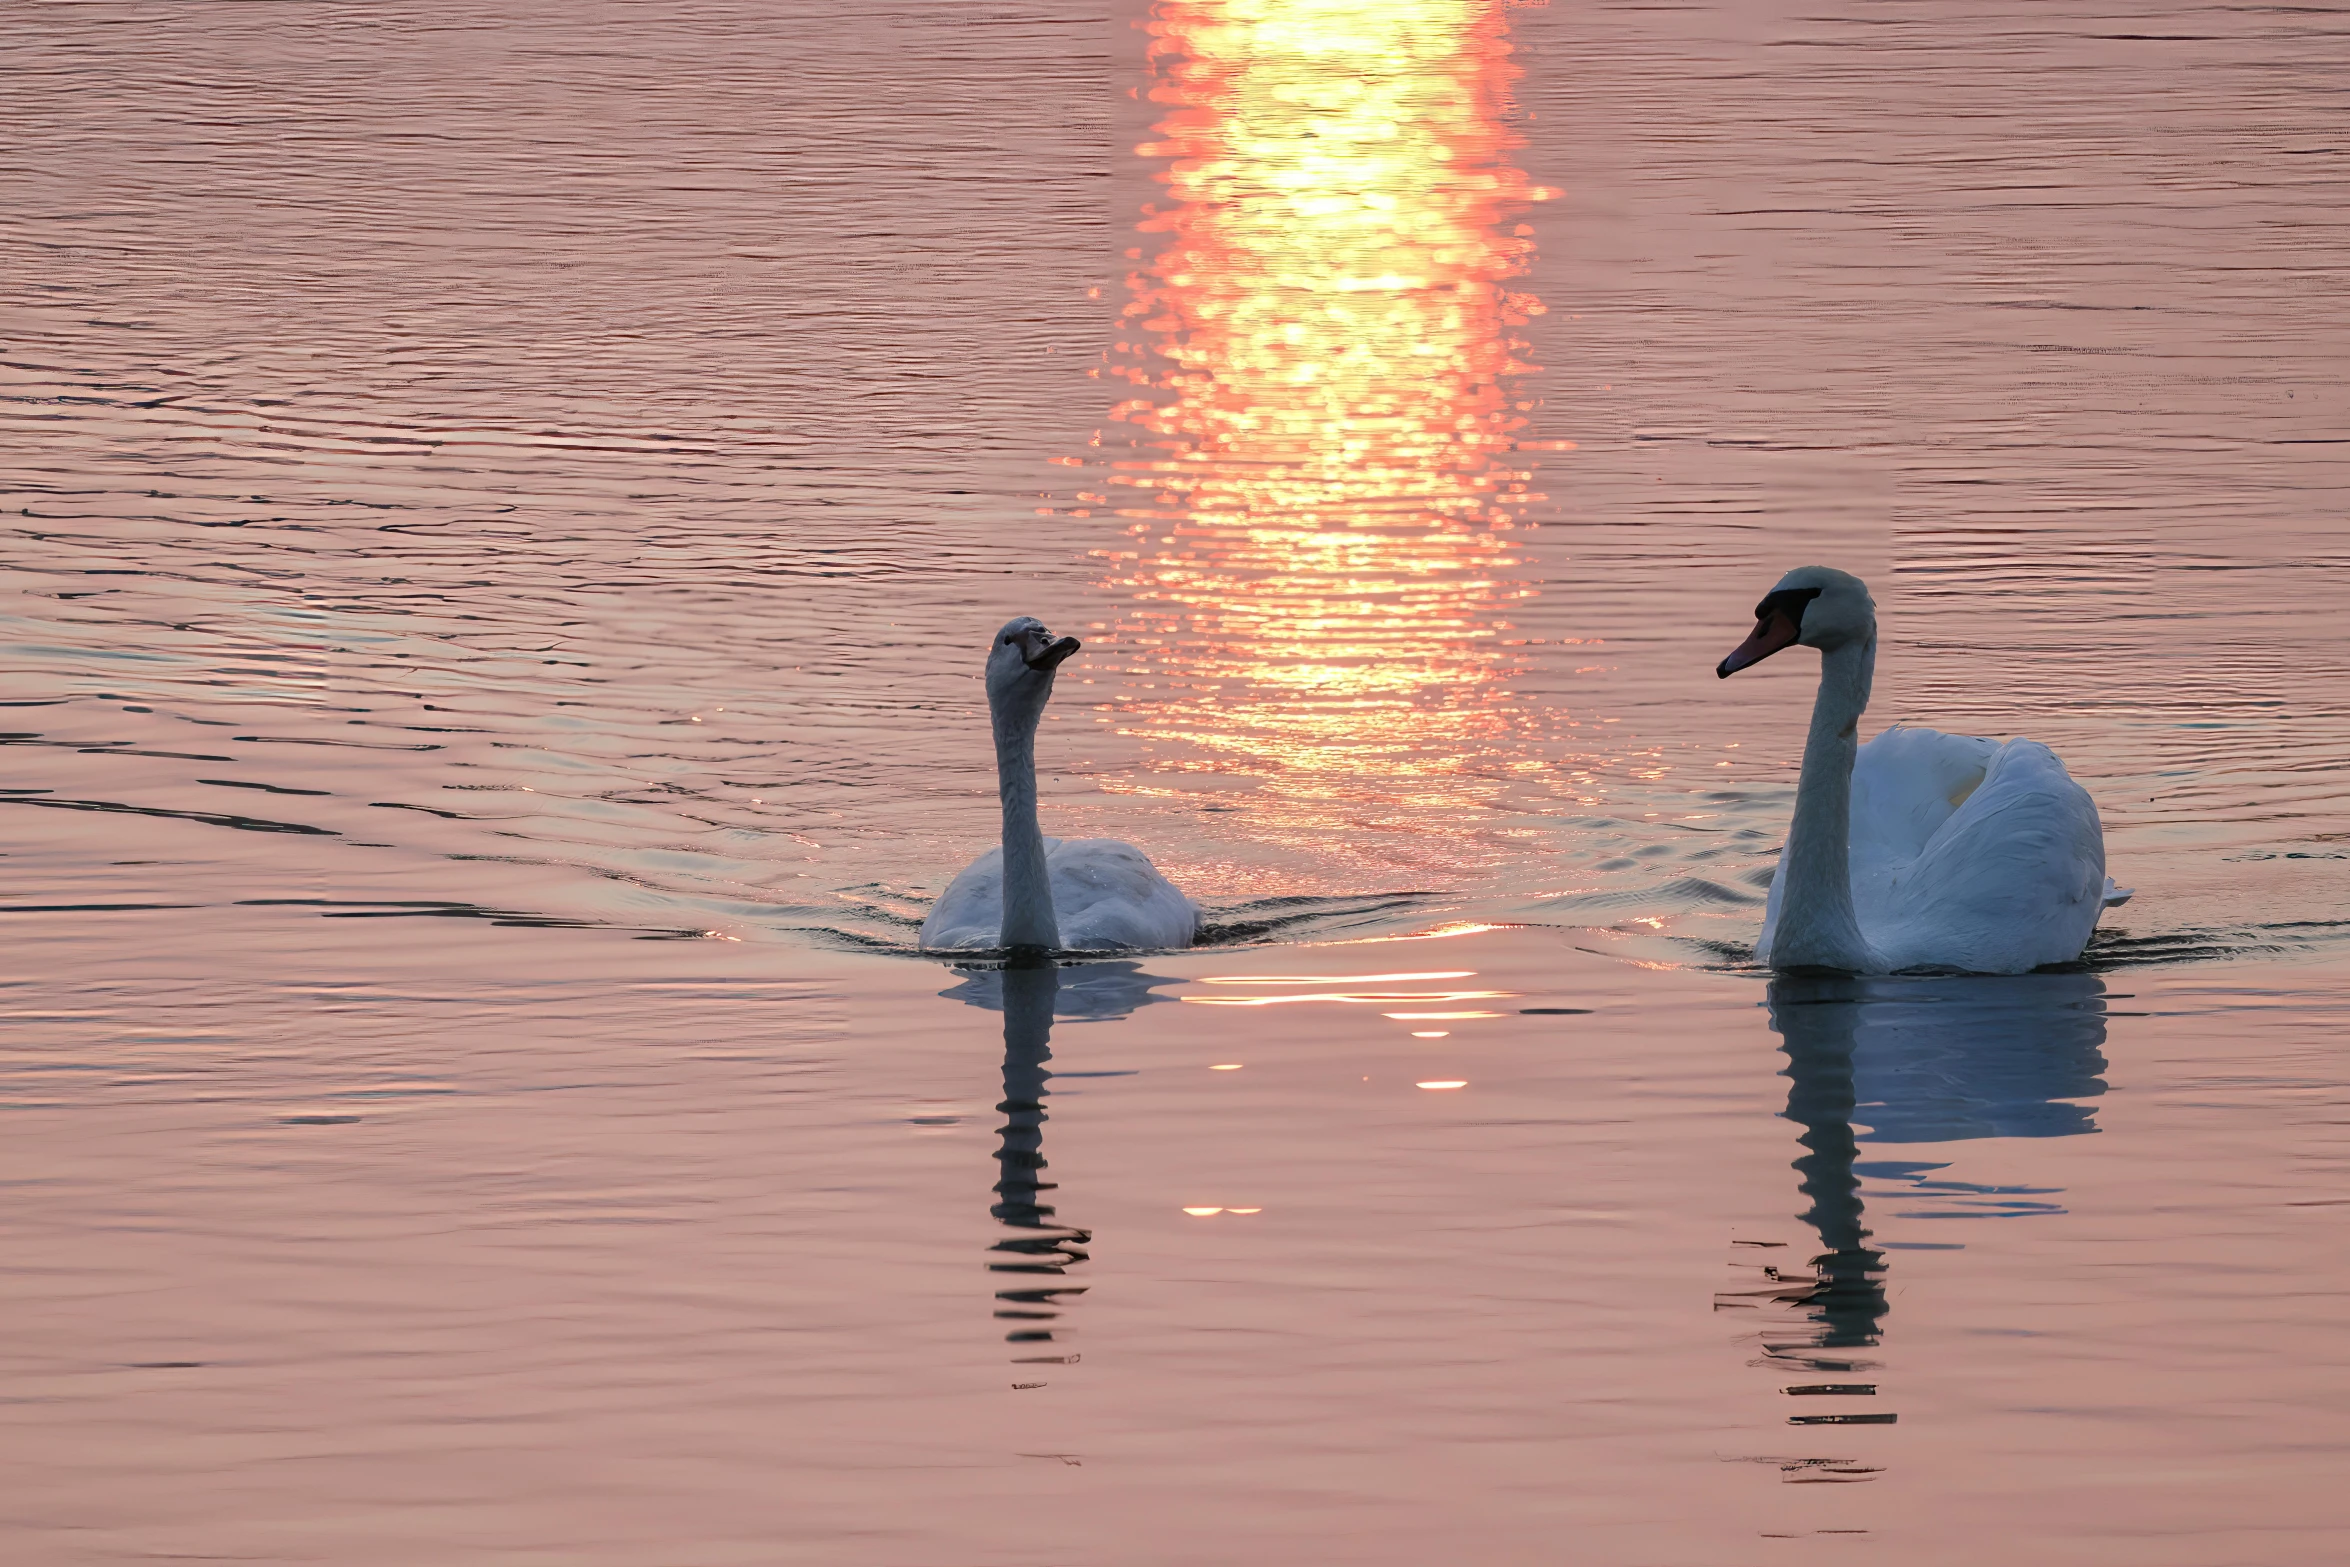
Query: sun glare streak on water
x=1325, y=472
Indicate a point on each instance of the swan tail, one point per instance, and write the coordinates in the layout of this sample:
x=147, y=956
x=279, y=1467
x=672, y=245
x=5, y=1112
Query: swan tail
x=2115, y=896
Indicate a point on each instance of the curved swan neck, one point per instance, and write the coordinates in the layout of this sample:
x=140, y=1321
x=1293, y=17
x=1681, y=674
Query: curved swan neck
x=1028, y=890
x=1817, y=925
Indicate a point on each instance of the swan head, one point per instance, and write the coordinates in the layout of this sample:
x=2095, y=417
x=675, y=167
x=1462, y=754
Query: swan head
x=1020, y=666
x=1817, y=606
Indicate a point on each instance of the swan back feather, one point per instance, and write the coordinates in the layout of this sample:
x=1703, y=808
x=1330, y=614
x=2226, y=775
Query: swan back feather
x=1030, y=891
x=1969, y=854
x=1107, y=896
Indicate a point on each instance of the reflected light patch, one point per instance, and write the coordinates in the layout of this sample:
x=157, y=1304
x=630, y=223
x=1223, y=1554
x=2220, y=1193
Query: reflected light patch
x=1203, y=1213
x=1345, y=998
x=1435, y=1033
x=1226, y=1066
x=1460, y=1082
x=1335, y=979
x=1324, y=331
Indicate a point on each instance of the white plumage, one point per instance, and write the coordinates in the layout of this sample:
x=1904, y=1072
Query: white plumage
x=1969, y=854
x=1106, y=896
x=1919, y=850
x=1033, y=892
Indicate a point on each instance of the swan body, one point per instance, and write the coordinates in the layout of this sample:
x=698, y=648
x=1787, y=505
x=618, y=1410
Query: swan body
x=1106, y=896
x=1034, y=892
x=1968, y=854
x=1920, y=850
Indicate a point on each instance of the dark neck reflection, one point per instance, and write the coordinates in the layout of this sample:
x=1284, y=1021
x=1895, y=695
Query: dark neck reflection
x=1038, y=1248
x=1922, y=1061
x=1817, y=1020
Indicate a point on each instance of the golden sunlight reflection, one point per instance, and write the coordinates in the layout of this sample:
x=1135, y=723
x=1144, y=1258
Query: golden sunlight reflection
x=1334, y=979
x=1437, y=1017
x=1325, y=474
x=1348, y=998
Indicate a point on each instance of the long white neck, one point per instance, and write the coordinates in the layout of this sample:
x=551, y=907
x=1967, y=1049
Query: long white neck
x=1028, y=890
x=1817, y=927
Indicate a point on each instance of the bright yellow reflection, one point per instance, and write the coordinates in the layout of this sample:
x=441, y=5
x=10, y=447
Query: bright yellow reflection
x=1333, y=979
x=1344, y=998
x=1326, y=474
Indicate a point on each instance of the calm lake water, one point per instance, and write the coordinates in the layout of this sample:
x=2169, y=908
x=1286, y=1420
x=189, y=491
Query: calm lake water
x=505, y=509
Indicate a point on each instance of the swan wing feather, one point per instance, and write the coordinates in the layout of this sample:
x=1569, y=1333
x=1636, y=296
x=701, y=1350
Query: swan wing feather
x=970, y=913
x=1906, y=783
x=2012, y=878
x=1107, y=896
x=1969, y=854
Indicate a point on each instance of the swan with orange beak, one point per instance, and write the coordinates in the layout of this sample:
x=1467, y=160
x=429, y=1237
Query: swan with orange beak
x=1920, y=850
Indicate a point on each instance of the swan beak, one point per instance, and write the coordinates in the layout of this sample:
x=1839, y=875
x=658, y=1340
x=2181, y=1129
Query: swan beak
x=1773, y=632
x=1050, y=656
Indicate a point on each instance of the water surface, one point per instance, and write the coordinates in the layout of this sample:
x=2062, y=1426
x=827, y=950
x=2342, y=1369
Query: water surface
x=504, y=512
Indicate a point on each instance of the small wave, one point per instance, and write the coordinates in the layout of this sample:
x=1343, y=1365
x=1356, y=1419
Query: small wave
x=210, y=818
x=2120, y=949
x=451, y=909
x=1681, y=895
x=1265, y=920
x=1632, y=922
x=882, y=919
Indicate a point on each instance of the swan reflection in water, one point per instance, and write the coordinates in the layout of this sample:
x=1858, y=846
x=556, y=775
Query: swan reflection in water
x=1031, y=1261
x=1916, y=1060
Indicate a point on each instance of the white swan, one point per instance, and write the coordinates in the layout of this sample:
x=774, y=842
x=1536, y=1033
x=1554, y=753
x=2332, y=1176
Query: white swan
x=1074, y=894
x=1919, y=850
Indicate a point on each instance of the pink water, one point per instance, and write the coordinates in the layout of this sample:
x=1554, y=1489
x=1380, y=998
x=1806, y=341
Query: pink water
x=502, y=511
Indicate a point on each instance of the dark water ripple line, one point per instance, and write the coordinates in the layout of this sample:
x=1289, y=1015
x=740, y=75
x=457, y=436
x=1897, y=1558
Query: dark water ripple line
x=210, y=818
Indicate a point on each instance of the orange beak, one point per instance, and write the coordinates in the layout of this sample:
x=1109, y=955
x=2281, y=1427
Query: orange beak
x=1772, y=632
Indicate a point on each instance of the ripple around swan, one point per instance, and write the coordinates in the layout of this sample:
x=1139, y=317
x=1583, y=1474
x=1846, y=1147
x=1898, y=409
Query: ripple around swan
x=2113, y=948
x=878, y=921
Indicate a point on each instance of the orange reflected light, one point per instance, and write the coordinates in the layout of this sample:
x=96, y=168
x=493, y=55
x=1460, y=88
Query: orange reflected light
x=1436, y=1017
x=1345, y=999
x=1336, y=979
x=1326, y=452
x=1444, y=932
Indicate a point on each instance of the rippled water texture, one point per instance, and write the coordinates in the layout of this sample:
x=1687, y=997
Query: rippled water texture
x=504, y=507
